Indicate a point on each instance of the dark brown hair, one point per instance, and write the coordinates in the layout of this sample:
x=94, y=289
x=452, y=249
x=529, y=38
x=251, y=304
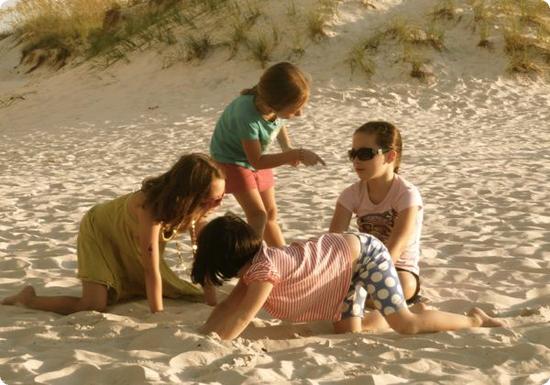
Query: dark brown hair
x=282, y=85
x=387, y=137
x=224, y=246
x=175, y=197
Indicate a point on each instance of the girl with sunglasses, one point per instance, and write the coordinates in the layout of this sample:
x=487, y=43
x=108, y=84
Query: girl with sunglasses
x=386, y=205
x=312, y=280
x=242, y=137
x=121, y=242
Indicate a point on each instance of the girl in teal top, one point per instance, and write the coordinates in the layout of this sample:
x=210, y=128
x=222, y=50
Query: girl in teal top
x=241, y=140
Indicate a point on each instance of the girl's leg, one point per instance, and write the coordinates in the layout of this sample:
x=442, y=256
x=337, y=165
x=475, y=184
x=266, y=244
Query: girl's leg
x=94, y=297
x=374, y=320
x=253, y=207
x=408, y=283
x=429, y=321
x=272, y=233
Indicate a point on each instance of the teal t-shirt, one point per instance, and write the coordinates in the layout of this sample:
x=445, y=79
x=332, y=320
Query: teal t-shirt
x=241, y=121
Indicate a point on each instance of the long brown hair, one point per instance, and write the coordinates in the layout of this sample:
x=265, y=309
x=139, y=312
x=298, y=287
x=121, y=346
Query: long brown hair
x=281, y=86
x=387, y=137
x=175, y=197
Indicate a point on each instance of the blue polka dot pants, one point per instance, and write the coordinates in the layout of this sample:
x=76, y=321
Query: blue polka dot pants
x=374, y=274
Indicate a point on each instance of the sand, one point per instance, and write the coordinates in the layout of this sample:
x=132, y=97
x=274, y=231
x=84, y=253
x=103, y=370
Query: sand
x=476, y=145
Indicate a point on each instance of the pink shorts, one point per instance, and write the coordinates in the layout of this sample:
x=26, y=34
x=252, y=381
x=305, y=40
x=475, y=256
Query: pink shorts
x=239, y=179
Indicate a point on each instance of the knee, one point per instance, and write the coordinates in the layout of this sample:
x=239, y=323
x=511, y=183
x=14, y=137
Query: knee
x=408, y=283
x=271, y=214
x=89, y=305
x=257, y=216
x=405, y=328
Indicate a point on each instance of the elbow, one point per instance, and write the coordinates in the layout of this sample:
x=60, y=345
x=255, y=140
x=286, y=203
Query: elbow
x=256, y=163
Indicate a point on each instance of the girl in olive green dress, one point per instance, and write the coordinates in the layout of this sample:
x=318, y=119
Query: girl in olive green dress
x=121, y=242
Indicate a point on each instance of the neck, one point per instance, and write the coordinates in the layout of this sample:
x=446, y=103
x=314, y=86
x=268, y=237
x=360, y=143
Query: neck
x=266, y=112
x=379, y=186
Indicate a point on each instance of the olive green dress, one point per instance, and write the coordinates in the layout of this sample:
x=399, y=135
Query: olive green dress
x=108, y=254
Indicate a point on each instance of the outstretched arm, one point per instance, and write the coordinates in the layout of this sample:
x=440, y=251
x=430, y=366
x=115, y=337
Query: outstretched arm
x=233, y=315
x=150, y=256
x=293, y=156
x=209, y=289
x=259, y=161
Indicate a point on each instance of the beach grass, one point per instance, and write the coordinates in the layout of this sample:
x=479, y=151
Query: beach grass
x=57, y=32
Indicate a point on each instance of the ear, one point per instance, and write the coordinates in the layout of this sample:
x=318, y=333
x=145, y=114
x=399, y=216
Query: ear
x=391, y=156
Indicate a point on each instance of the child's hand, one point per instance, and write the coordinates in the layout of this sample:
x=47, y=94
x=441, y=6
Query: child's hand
x=293, y=162
x=309, y=158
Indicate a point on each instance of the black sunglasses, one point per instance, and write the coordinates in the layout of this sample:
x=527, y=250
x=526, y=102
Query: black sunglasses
x=365, y=153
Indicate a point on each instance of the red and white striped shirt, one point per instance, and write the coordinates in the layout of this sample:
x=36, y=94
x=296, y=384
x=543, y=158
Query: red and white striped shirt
x=310, y=279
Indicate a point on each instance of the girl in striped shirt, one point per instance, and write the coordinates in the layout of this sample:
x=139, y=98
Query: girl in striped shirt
x=324, y=278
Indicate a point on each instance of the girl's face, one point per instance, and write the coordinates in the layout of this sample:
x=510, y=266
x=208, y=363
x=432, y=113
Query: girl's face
x=372, y=168
x=292, y=111
x=215, y=198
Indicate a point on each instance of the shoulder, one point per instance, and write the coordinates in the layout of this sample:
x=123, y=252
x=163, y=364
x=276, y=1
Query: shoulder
x=137, y=210
x=406, y=187
x=262, y=267
x=407, y=194
x=352, y=189
x=244, y=105
x=351, y=196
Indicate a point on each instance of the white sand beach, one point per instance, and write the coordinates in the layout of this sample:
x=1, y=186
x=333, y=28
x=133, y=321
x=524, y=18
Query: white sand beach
x=476, y=143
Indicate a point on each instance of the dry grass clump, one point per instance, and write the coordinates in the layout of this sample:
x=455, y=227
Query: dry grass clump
x=317, y=20
x=316, y=24
x=262, y=46
x=110, y=28
x=419, y=63
x=482, y=20
x=198, y=47
x=357, y=60
x=411, y=37
x=525, y=26
x=445, y=10
x=527, y=38
x=408, y=33
x=51, y=31
x=484, y=41
x=242, y=19
x=524, y=65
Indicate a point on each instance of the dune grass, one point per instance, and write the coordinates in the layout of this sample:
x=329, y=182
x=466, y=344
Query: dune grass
x=356, y=60
x=526, y=35
x=444, y=10
x=263, y=45
x=56, y=31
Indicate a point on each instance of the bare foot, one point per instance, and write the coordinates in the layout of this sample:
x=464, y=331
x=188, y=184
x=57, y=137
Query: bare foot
x=484, y=320
x=23, y=297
